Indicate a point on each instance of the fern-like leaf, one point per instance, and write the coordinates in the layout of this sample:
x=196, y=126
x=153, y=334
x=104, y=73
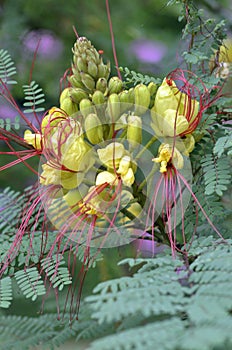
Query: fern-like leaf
x=34, y=96
x=217, y=174
x=223, y=144
x=7, y=68
x=196, y=315
x=116, y=293
x=5, y=292
x=11, y=203
x=30, y=283
x=59, y=276
x=135, y=78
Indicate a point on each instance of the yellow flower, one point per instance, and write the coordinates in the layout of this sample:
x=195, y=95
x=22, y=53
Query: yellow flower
x=52, y=119
x=54, y=176
x=73, y=198
x=96, y=202
x=170, y=124
x=106, y=177
x=118, y=162
x=111, y=155
x=173, y=111
x=167, y=154
x=70, y=158
x=34, y=139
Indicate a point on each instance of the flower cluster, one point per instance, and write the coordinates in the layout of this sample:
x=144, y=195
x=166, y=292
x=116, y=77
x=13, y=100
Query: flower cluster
x=100, y=144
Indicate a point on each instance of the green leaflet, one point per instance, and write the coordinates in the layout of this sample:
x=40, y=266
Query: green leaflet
x=7, y=68
x=34, y=97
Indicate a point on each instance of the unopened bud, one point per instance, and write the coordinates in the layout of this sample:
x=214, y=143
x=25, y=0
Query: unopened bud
x=101, y=84
x=115, y=85
x=92, y=69
x=113, y=107
x=98, y=97
x=77, y=94
x=142, y=98
x=134, y=130
x=88, y=81
x=69, y=106
x=93, y=128
x=86, y=107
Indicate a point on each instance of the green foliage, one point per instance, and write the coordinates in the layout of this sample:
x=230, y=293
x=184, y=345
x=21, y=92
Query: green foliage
x=31, y=280
x=224, y=144
x=185, y=307
x=34, y=96
x=5, y=292
x=59, y=276
x=21, y=333
x=7, y=68
x=11, y=203
x=134, y=78
x=8, y=124
x=217, y=174
x=30, y=283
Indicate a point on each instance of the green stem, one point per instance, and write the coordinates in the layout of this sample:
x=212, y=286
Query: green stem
x=152, y=140
x=144, y=182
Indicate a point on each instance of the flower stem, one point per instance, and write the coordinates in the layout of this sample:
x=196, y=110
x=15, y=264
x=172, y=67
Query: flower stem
x=152, y=140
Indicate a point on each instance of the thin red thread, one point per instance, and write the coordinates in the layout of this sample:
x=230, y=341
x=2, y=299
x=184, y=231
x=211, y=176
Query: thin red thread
x=112, y=39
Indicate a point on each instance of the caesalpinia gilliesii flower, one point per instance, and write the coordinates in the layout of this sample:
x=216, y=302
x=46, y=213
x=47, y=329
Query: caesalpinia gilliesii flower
x=175, y=116
x=173, y=112
x=68, y=155
x=118, y=162
x=71, y=157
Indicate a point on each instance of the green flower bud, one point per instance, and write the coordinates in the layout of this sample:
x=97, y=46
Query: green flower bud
x=132, y=95
x=73, y=198
x=69, y=106
x=77, y=94
x=124, y=98
x=104, y=70
x=101, y=84
x=98, y=97
x=86, y=107
x=92, y=69
x=65, y=93
x=142, y=98
x=93, y=55
x=134, y=130
x=93, y=128
x=81, y=65
x=115, y=85
x=75, y=82
x=152, y=87
x=113, y=107
x=88, y=81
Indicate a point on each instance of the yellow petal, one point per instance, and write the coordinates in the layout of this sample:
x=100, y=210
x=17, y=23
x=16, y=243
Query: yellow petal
x=174, y=124
x=106, y=177
x=124, y=165
x=129, y=178
x=111, y=154
x=33, y=139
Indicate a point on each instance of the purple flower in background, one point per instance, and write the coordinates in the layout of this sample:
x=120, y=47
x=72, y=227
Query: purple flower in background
x=49, y=45
x=148, y=51
x=7, y=111
x=146, y=246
